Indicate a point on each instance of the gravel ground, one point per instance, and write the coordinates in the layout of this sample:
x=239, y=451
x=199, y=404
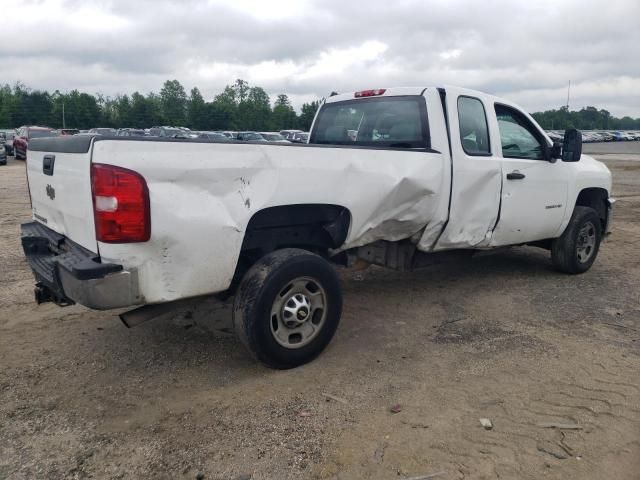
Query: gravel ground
x=502, y=337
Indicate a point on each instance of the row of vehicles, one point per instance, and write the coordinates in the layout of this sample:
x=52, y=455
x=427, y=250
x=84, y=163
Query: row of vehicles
x=593, y=136
x=16, y=142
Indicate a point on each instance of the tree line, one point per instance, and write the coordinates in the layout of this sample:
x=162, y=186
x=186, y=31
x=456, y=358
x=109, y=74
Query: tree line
x=239, y=106
x=587, y=118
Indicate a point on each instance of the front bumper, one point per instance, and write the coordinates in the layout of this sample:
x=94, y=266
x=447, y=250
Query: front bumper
x=67, y=273
x=611, y=202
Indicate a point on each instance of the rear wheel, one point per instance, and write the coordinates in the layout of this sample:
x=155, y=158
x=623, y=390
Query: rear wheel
x=577, y=248
x=288, y=307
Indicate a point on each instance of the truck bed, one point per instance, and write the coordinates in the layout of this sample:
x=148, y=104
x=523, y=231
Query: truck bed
x=203, y=195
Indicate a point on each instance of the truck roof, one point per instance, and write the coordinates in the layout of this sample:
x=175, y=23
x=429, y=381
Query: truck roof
x=389, y=92
x=401, y=91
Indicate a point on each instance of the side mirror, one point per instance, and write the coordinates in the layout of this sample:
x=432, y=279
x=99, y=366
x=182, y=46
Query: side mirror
x=572, y=146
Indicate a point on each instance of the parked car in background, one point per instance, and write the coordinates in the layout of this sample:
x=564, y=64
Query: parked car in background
x=168, y=132
x=250, y=137
x=217, y=136
x=274, y=137
x=3, y=156
x=131, y=132
x=184, y=134
x=107, y=132
x=8, y=142
x=231, y=135
x=288, y=134
x=26, y=133
x=627, y=136
x=555, y=136
x=67, y=131
x=606, y=136
x=300, y=137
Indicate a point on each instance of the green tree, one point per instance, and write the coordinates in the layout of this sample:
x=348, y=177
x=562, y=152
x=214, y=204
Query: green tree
x=174, y=102
x=308, y=113
x=197, y=111
x=254, y=113
x=241, y=89
x=154, y=105
x=284, y=116
x=140, y=111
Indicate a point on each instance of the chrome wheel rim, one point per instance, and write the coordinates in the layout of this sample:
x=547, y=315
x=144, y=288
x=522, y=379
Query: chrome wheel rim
x=298, y=312
x=586, y=244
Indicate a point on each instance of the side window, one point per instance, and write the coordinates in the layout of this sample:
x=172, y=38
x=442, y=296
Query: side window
x=518, y=136
x=474, y=132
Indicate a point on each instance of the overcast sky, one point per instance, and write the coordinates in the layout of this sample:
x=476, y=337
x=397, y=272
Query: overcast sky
x=524, y=50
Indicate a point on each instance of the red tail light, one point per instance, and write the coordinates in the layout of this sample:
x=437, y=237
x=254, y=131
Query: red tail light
x=371, y=93
x=120, y=205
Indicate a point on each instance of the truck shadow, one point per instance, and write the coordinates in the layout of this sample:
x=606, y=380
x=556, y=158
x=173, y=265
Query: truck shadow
x=499, y=290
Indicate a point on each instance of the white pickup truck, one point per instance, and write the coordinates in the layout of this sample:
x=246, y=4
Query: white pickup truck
x=400, y=177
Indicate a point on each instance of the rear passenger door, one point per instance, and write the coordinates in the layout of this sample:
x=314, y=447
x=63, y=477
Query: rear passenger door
x=475, y=189
x=534, y=191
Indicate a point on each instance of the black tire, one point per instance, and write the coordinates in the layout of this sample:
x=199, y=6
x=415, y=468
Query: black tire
x=254, y=302
x=568, y=252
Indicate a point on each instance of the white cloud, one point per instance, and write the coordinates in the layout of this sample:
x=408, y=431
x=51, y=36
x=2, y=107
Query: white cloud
x=526, y=51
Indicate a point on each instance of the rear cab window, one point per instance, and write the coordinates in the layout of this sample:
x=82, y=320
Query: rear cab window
x=474, y=130
x=387, y=122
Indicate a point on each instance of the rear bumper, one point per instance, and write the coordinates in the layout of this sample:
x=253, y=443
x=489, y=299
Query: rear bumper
x=611, y=203
x=67, y=273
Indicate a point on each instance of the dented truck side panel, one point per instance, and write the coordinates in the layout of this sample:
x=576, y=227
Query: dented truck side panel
x=199, y=214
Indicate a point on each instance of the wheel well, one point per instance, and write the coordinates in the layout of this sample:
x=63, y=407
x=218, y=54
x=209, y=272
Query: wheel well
x=315, y=227
x=595, y=198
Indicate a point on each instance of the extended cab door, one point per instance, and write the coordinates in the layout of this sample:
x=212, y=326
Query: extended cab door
x=534, y=190
x=476, y=169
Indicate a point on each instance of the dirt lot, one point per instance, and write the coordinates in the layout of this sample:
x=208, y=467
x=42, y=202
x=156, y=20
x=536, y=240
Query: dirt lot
x=502, y=337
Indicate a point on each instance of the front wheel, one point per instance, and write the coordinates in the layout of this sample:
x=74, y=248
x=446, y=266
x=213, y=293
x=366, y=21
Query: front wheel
x=577, y=248
x=288, y=307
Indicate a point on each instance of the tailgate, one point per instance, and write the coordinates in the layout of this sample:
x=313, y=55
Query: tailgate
x=59, y=175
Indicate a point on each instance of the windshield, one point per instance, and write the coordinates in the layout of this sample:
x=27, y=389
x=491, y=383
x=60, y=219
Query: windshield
x=397, y=122
x=41, y=133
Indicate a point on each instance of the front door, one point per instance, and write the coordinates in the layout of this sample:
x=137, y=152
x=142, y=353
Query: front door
x=534, y=190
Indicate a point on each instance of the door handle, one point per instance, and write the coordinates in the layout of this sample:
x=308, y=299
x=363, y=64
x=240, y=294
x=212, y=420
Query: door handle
x=48, y=163
x=515, y=175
